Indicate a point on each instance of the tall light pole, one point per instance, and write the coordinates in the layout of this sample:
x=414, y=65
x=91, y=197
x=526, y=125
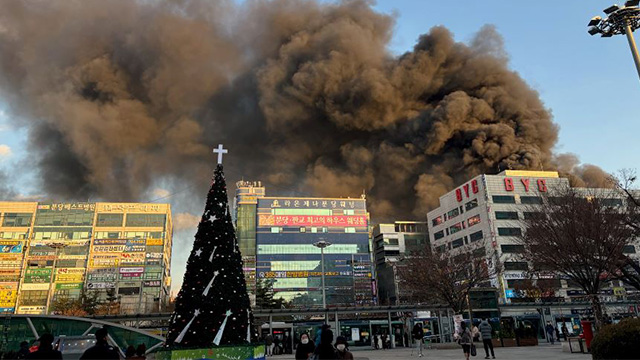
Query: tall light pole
x=620, y=20
x=322, y=244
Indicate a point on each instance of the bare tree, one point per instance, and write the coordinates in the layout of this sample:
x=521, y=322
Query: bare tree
x=580, y=235
x=446, y=277
x=629, y=270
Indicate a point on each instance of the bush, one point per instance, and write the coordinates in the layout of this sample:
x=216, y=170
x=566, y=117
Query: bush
x=619, y=341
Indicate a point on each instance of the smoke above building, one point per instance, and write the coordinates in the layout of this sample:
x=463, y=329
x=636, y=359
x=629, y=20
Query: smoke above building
x=120, y=96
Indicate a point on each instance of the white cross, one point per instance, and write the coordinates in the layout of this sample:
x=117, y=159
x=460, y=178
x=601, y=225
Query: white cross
x=220, y=150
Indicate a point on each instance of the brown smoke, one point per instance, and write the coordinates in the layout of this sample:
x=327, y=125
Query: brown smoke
x=121, y=95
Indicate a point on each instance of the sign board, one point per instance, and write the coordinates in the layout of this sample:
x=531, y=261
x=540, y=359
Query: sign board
x=154, y=242
x=69, y=286
x=152, y=283
x=35, y=286
x=101, y=285
x=300, y=274
x=312, y=220
x=355, y=334
x=37, y=276
x=131, y=270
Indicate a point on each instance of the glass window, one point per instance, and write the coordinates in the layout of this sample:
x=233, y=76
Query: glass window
x=509, y=231
x=129, y=291
x=303, y=229
x=506, y=215
x=391, y=241
x=349, y=212
x=146, y=220
x=110, y=220
x=475, y=236
x=270, y=249
x=455, y=228
x=350, y=230
x=515, y=283
x=504, y=199
x=17, y=219
x=438, y=235
x=473, y=220
x=275, y=229
x=457, y=243
x=534, y=200
x=324, y=230
x=314, y=230
x=453, y=213
x=516, y=265
x=629, y=249
x=437, y=221
x=440, y=248
x=471, y=204
x=480, y=252
x=512, y=249
x=612, y=202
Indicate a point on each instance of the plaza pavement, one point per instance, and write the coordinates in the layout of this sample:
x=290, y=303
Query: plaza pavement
x=541, y=352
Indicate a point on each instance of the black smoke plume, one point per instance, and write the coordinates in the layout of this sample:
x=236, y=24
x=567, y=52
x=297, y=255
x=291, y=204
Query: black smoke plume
x=119, y=96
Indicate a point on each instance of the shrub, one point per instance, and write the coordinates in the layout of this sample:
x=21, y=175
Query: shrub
x=619, y=341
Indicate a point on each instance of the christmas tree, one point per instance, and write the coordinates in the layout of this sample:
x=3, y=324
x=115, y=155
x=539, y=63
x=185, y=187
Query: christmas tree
x=213, y=307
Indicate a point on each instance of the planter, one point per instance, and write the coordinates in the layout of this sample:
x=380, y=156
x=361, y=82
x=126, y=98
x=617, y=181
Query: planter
x=496, y=342
x=527, y=341
x=509, y=342
x=242, y=352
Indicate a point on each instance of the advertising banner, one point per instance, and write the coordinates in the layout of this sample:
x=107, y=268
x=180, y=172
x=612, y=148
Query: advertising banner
x=69, y=286
x=101, y=285
x=11, y=248
x=135, y=248
x=72, y=257
x=31, y=309
x=104, y=260
x=70, y=275
x=108, y=248
x=152, y=283
x=110, y=242
x=103, y=274
x=312, y=220
x=37, y=276
x=132, y=258
x=131, y=270
x=300, y=274
x=8, y=295
x=131, y=275
x=154, y=242
x=306, y=203
x=154, y=255
x=35, y=286
x=10, y=310
x=136, y=242
x=153, y=262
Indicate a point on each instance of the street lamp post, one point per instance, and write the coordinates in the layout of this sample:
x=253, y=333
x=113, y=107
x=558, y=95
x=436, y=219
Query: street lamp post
x=620, y=20
x=322, y=244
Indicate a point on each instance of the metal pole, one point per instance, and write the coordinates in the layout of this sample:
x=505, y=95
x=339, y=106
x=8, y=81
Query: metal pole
x=632, y=45
x=271, y=325
x=391, y=339
x=324, y=294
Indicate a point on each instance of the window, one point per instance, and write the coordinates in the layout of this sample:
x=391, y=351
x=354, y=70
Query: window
x=441, y=248
x=473, y=220
x=629, y=249
x=314, y=230
x=504, y=199
x=437, y=221
x=471, y=204
x=391, y=241
x=516, y=265
x=303, y=229
x=516, y=283
x=110, y=219
x=438, y=235
x=350, y=230
x=479, y=253
x=528, y=215
x=457, y=243
x=146, y=220
x=324, y=230
x=506, y=215
x=455, y=228
x=129, y=291
x=475, y=236
x=611, y=202
x=509, y=231
x=533, y=200
x=276, y=229
x=512, y=249
x=34, y=297
x=453, y=213
x=17, y=219
x=349, y=212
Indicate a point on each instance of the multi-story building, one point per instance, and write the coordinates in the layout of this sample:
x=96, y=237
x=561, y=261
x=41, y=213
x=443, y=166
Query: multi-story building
x=282, y=234
x=390, y=243
x=485, y=214
x=56, y=250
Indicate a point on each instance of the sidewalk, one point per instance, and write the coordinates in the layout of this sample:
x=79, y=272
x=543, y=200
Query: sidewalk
x=540, y=352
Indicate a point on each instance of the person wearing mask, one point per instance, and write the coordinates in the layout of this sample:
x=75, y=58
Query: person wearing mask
x=418, y=334
x=326, y=351
x=343, y=348
x=268, y=343
x=465, y=339
x=486, y=332
x=305, y=347
x=102, y=349
x=24, y=350
x=45, y=349
x=549, y=330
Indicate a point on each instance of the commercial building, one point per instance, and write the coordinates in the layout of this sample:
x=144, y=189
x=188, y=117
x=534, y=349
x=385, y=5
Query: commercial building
x=485, y=215
x=390, y=243
x=50, y=251
x=281, y=231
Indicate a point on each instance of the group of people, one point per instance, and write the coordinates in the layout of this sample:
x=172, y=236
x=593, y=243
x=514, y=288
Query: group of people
x=275, y=346
x=551, y=331
x=466, y=337
x=46, y=350
x=381, y=341
x=323, y=348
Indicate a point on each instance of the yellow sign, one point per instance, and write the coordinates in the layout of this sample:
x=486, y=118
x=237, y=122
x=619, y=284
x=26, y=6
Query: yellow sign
x=8, y=298
x=120, y=208
x=70, y=275
x=154, y=242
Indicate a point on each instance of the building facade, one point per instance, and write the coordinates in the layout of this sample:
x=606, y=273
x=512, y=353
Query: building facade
x=485, y=215
x=280, y=233
x=52, y=251
x=390, y=243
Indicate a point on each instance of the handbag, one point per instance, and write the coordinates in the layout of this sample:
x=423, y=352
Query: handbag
x=474, y=352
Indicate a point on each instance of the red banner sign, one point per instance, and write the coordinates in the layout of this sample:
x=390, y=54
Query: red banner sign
x=311, y=220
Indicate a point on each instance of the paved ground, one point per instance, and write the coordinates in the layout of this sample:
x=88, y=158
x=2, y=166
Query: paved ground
x=541, y=352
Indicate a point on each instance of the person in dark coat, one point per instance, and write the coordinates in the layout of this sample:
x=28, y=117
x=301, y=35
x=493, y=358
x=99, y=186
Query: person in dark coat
x=549, y=330
x=45, y=349
x=305, y=347
x=418, y=334
x=102, y=349
x=325, y=350
x=24, y=350
x=486, y=331
x=342, y=348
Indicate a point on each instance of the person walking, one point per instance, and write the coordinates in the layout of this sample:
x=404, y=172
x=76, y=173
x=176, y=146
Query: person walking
x=385, y=346
x=418, y=334
x=486, y=332
x=102, y=349
x=326, y=351
x=465, y=339
x=550, y=332
x=305, y=347
x=268, y=343
x=45, y=349
x=24, y=350
x=343, y=349
x=565, y=332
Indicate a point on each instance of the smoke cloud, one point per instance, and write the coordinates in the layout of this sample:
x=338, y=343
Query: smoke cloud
x=120, y=96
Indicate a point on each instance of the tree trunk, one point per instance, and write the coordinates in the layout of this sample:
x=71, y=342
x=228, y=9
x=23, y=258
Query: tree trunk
x=597, y=311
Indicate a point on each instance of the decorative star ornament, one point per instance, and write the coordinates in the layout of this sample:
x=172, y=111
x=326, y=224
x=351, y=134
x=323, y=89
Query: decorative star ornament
x=221, y=204
x=212, y=218
x=198, y=252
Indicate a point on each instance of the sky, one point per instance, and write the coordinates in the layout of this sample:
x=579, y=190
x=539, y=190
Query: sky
x=589, y=83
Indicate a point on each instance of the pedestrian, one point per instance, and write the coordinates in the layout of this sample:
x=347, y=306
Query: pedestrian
x=319, y=333
x=24, y=350
x=286, y=343
x=130, y=352
x=45, y=349
x=268, y=343
x=418, y=334
x=486, y=332
x=141, y=352
x=549, y=330
x=102, y=349
x=465, y=339
x=326, y=351
x=565, y=331
x=376, y=342
x=305, y=347
x=385, y=346
x=557, y=333
x=343, y=349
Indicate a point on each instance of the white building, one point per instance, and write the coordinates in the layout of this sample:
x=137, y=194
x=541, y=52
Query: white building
x=487, y=211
